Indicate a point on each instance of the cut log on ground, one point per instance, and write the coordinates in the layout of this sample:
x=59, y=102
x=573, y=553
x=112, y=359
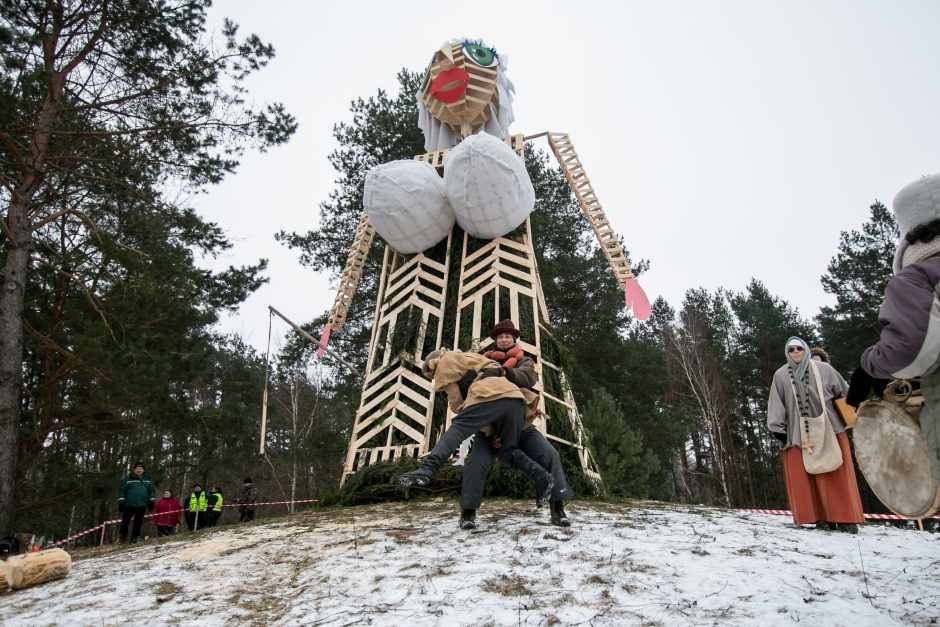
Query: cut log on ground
x=23, y=571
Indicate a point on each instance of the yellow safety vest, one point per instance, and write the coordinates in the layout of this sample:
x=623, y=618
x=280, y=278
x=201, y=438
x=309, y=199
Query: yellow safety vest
x=218, y=502
x=201, y=502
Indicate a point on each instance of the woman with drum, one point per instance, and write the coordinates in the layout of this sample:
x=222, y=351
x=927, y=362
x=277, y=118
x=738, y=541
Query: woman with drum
x=909, y=346
x=802, y=392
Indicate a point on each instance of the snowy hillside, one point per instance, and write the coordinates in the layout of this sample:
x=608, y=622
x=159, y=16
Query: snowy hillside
x=408, y=563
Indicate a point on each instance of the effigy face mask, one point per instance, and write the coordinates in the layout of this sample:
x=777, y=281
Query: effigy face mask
x=460, y=85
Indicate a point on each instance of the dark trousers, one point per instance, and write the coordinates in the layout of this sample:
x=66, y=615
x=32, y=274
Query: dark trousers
x=477, y=467
x=246, y=515
x=165, y=530
x=137, y=513
x=195, y=520
x=506, y=414
x=213, y=518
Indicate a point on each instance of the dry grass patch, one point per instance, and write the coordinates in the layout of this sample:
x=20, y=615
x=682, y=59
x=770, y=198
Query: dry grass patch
x=597, y=579
x=164, y=588
x=511, y=585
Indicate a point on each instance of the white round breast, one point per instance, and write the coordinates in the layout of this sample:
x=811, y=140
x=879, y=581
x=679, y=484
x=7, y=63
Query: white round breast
x=407, y=205
x=487, y=186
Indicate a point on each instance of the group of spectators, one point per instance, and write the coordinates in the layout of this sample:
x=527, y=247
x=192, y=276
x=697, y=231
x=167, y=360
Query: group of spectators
x=138, y=493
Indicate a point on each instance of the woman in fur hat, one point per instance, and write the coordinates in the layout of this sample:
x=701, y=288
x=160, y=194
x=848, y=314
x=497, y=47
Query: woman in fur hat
x=831, y=499
x=910, y=312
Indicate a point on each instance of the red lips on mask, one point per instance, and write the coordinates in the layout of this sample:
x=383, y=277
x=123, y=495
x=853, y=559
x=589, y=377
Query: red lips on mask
x=449, y=86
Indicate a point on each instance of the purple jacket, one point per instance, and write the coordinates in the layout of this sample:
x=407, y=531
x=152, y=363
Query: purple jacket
x=910, y=321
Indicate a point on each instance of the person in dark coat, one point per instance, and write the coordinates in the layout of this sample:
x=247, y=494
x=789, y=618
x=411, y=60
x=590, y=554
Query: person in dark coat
x=166, y=514
x=519, y=369
x=246, y=502
x=136, y=494
x=214, y=507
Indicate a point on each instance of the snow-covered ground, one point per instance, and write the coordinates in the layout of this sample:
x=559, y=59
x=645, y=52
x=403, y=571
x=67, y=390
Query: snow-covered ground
x=408, y=563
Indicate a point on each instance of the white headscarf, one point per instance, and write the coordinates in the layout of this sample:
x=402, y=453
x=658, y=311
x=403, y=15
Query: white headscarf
x=799, y=369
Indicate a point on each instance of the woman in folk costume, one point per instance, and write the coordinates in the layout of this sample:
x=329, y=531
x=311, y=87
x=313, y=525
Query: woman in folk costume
x=909, y=346
x=804, y=388
x=519, y=369
x=481, y=396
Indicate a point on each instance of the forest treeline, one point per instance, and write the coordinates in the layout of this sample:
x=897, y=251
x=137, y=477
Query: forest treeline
x=121, y=360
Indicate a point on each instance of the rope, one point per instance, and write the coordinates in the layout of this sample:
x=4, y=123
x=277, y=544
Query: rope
x=786, y=512
x=177, y=511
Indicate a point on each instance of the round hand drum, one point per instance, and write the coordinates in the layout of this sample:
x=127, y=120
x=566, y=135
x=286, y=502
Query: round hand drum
x=892, y=454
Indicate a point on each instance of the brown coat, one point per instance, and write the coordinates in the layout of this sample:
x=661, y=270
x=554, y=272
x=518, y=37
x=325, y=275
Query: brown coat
x=523, y=374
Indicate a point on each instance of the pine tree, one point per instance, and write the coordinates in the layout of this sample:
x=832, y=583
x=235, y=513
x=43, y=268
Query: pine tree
x=857, y=277
x=625, y=463
x=106, y=105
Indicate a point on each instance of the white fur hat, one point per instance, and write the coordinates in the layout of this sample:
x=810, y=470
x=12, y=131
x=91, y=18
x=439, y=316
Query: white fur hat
x=916, y=204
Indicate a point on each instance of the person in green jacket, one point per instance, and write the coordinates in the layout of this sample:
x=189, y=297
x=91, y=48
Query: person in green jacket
x=136, y=493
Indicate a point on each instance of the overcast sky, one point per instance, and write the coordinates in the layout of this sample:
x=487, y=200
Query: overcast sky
x=726, y=140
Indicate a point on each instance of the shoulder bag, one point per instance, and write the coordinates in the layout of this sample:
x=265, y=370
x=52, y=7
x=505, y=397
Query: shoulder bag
x=821, y=452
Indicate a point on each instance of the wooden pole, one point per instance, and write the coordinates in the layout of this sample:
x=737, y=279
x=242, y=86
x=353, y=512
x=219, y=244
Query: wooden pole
x=264, y=397
x=329, y=351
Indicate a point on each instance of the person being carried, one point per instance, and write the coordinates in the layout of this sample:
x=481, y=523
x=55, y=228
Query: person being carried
x=519, y=369
x=479, y=393
x=136, y=493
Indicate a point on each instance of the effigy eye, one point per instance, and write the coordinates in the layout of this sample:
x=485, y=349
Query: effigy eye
x=482, y=56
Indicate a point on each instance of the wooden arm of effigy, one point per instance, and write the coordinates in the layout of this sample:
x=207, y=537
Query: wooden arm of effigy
x=349, y=279
x=606, y=237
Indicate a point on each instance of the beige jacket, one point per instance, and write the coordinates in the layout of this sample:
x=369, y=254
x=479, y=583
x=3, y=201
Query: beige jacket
x=453, y=365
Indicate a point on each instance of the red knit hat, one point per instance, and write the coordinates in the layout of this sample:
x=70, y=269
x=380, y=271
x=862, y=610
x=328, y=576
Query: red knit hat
x=505, y=326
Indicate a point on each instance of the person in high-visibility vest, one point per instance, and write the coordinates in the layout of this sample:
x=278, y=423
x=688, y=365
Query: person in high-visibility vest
x=196, y=511
x=215, y=506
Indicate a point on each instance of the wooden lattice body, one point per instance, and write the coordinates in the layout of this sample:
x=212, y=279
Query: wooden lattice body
x=451, y=295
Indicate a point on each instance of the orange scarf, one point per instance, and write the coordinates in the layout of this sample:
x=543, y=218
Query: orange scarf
x=508, y=359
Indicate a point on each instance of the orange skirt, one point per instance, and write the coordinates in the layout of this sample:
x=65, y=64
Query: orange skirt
x=832, y=496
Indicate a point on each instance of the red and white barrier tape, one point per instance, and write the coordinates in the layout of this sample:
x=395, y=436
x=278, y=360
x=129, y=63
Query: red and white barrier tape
x=118, y=520
x=786, y=512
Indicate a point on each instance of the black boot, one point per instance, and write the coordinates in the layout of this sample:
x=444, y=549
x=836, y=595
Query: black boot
x=419, y=476
x=468, y=519
x=559, y=518
x=848, y=528
x=823, y=525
